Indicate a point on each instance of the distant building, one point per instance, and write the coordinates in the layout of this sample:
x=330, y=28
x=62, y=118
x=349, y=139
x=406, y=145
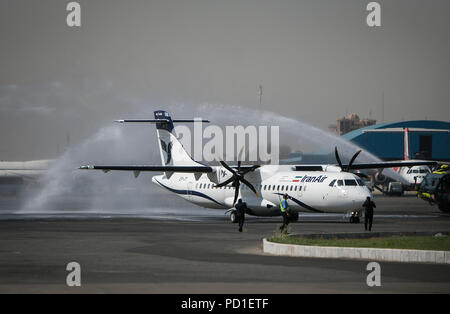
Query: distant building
x=427, y=139
x=350, y=123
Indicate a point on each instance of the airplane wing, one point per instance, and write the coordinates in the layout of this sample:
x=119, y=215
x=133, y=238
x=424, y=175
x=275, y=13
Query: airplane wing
x=202, y=169
x=390, y=164
x=372, y=165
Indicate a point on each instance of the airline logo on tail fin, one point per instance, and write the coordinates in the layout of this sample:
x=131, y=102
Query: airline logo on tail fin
x=167, y=149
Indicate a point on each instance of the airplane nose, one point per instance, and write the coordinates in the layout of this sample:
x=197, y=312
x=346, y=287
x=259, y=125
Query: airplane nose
x=361, y=196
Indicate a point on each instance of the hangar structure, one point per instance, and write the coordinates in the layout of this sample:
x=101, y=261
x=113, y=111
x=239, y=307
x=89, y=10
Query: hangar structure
x=426, y=139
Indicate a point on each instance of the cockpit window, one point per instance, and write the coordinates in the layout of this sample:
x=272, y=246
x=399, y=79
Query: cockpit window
x=332, y=182
x=350, y=182
x=360, y=183
x=340, y=183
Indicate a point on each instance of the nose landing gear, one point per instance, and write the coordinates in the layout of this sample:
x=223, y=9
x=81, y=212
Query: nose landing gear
x=354, y=217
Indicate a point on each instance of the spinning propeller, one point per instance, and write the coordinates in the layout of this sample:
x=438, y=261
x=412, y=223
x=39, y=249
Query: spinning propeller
x=238, y=177
x=349, y=166
x=345, y=169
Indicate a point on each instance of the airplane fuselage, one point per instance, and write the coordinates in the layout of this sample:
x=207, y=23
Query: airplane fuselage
x=414, y=175
x=308, y=191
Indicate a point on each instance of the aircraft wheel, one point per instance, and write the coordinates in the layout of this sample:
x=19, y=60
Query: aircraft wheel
x=354, y=218
x=233, y=217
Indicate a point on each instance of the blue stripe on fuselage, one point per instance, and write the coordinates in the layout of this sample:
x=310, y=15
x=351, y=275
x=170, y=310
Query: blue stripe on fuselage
x=186, y=192
x=301, y=203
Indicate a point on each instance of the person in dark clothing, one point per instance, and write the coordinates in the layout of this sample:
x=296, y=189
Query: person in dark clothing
x=368, y=205
x=284, y=207
x=241, y=207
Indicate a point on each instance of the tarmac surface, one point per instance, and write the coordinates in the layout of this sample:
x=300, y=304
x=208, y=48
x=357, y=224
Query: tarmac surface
x=200, y=251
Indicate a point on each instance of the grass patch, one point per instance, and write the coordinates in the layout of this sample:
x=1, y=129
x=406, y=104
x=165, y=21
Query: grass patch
x=395, y=242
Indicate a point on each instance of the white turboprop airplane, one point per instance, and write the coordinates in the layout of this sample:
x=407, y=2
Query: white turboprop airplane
x=413, y=175
x=310, y=188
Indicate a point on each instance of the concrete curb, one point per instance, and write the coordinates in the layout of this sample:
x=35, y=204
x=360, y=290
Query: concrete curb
x=388, y=255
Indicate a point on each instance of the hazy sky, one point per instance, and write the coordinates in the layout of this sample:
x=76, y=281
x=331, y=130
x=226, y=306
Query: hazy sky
x=316, y=60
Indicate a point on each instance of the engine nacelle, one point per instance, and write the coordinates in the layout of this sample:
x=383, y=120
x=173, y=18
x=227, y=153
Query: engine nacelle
x=380, y=177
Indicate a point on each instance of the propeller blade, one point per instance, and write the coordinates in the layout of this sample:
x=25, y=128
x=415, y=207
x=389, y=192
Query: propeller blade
x=363, y=175
x=225, y=182
x=253, y=168
x=236, y=192
x=240, y=158
x=336, y=154
x=240, y=153
x=227, y=167
x=353, y=159
x=250, y=186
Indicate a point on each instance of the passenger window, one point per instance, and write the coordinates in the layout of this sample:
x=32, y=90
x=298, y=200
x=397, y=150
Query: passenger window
x=332, y=182
x=299, y=188
x=291, y=187
x=278, y=188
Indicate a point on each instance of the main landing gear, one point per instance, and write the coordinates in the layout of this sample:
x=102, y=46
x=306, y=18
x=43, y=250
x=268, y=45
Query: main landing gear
x=233, y=217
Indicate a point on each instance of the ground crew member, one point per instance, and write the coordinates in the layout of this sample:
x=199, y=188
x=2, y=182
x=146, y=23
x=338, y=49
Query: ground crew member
x=241, y=207
x=284, y=207
x=368, y=213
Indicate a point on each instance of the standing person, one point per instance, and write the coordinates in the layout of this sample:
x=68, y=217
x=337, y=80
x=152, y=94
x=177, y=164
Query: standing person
x=241, y=207
x=284, y=207
x=368, y=213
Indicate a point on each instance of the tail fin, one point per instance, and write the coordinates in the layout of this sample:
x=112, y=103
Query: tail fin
x=172, y=151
